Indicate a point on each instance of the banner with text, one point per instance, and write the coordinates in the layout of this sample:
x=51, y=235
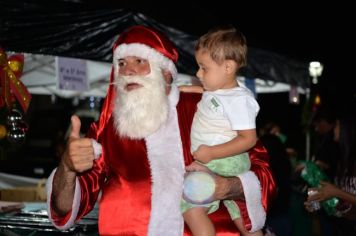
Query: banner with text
x=72, y=74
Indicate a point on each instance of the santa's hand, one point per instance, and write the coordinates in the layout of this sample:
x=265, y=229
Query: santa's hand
x=79, y=153
x=196, y=166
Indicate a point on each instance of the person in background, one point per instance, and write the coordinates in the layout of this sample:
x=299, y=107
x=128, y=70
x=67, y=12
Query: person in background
x=325, y=155
x=278, y=220
x=275, y=129
x=343, y=185
x=135, y=154
x=223, y=128
x=326, y=148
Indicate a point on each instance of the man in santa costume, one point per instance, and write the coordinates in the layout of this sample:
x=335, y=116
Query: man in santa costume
x=135, y=155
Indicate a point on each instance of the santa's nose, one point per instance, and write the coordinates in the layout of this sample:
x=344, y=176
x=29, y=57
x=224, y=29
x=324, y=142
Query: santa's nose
x=128, y=70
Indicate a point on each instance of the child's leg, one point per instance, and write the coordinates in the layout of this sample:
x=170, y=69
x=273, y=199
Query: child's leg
x=239, y=224
x=199, y=222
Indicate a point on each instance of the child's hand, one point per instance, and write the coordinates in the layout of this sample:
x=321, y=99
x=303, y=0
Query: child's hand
x=191, y=89
x=203, y=154
x=196, y=166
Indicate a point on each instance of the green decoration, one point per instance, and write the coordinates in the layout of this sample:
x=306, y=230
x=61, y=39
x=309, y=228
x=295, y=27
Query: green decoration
x=312, y=174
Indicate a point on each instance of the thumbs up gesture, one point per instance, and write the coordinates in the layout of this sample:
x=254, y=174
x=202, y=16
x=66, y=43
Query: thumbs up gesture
x=79, y=154
x=75, y=132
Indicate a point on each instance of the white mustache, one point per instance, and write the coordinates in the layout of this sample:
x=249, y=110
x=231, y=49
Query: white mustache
x=125, y=80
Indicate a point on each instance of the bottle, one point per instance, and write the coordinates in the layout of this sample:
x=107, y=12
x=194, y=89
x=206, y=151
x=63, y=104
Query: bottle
x=313, y=205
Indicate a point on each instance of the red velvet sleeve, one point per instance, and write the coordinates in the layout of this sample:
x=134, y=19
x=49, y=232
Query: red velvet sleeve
x=261, y=167
x=92, y=180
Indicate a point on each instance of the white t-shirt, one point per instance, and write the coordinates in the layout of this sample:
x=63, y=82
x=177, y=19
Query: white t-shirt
x=221, y=113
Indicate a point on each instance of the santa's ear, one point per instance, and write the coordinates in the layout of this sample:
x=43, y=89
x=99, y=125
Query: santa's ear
x=167, y=76
x=231, y=67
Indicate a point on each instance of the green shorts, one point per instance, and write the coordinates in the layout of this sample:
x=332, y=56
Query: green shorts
x=227, y=167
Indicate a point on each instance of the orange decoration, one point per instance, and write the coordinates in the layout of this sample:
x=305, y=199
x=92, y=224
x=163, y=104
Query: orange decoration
x=2, y=131
x=317, y=100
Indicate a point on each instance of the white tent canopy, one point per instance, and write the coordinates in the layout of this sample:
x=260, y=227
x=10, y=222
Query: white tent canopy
x=39, y=76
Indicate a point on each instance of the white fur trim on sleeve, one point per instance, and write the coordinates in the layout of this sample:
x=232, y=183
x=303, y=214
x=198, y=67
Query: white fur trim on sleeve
x=97, y=148
x=252, y=190
x=75, y=205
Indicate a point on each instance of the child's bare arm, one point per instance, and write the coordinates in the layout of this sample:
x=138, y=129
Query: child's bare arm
x=191, y=89
x=245, y=140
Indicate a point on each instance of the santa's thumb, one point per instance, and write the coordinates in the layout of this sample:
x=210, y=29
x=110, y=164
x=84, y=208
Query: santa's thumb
x=75, y=132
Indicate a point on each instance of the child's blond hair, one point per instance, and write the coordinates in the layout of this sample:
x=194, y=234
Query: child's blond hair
x=224, y=43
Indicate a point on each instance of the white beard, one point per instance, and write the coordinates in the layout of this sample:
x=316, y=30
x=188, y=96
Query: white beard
x=140, y=112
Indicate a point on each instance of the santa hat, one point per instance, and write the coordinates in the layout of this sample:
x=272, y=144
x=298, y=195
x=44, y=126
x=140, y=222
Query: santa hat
x=145, y=43
x=148, y=44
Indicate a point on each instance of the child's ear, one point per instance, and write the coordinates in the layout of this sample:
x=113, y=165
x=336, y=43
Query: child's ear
x=231, y=67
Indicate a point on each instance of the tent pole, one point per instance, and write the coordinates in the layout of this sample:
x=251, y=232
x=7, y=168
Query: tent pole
x=307, y=138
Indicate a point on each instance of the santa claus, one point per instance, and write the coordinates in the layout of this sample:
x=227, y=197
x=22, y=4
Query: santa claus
x=135, y=155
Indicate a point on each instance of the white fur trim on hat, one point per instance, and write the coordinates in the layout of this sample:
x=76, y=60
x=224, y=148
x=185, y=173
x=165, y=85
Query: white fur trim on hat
x=145, y=52
x=252, y=191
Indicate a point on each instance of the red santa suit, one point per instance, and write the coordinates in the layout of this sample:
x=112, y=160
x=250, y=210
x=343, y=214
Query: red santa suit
x=141, y=179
